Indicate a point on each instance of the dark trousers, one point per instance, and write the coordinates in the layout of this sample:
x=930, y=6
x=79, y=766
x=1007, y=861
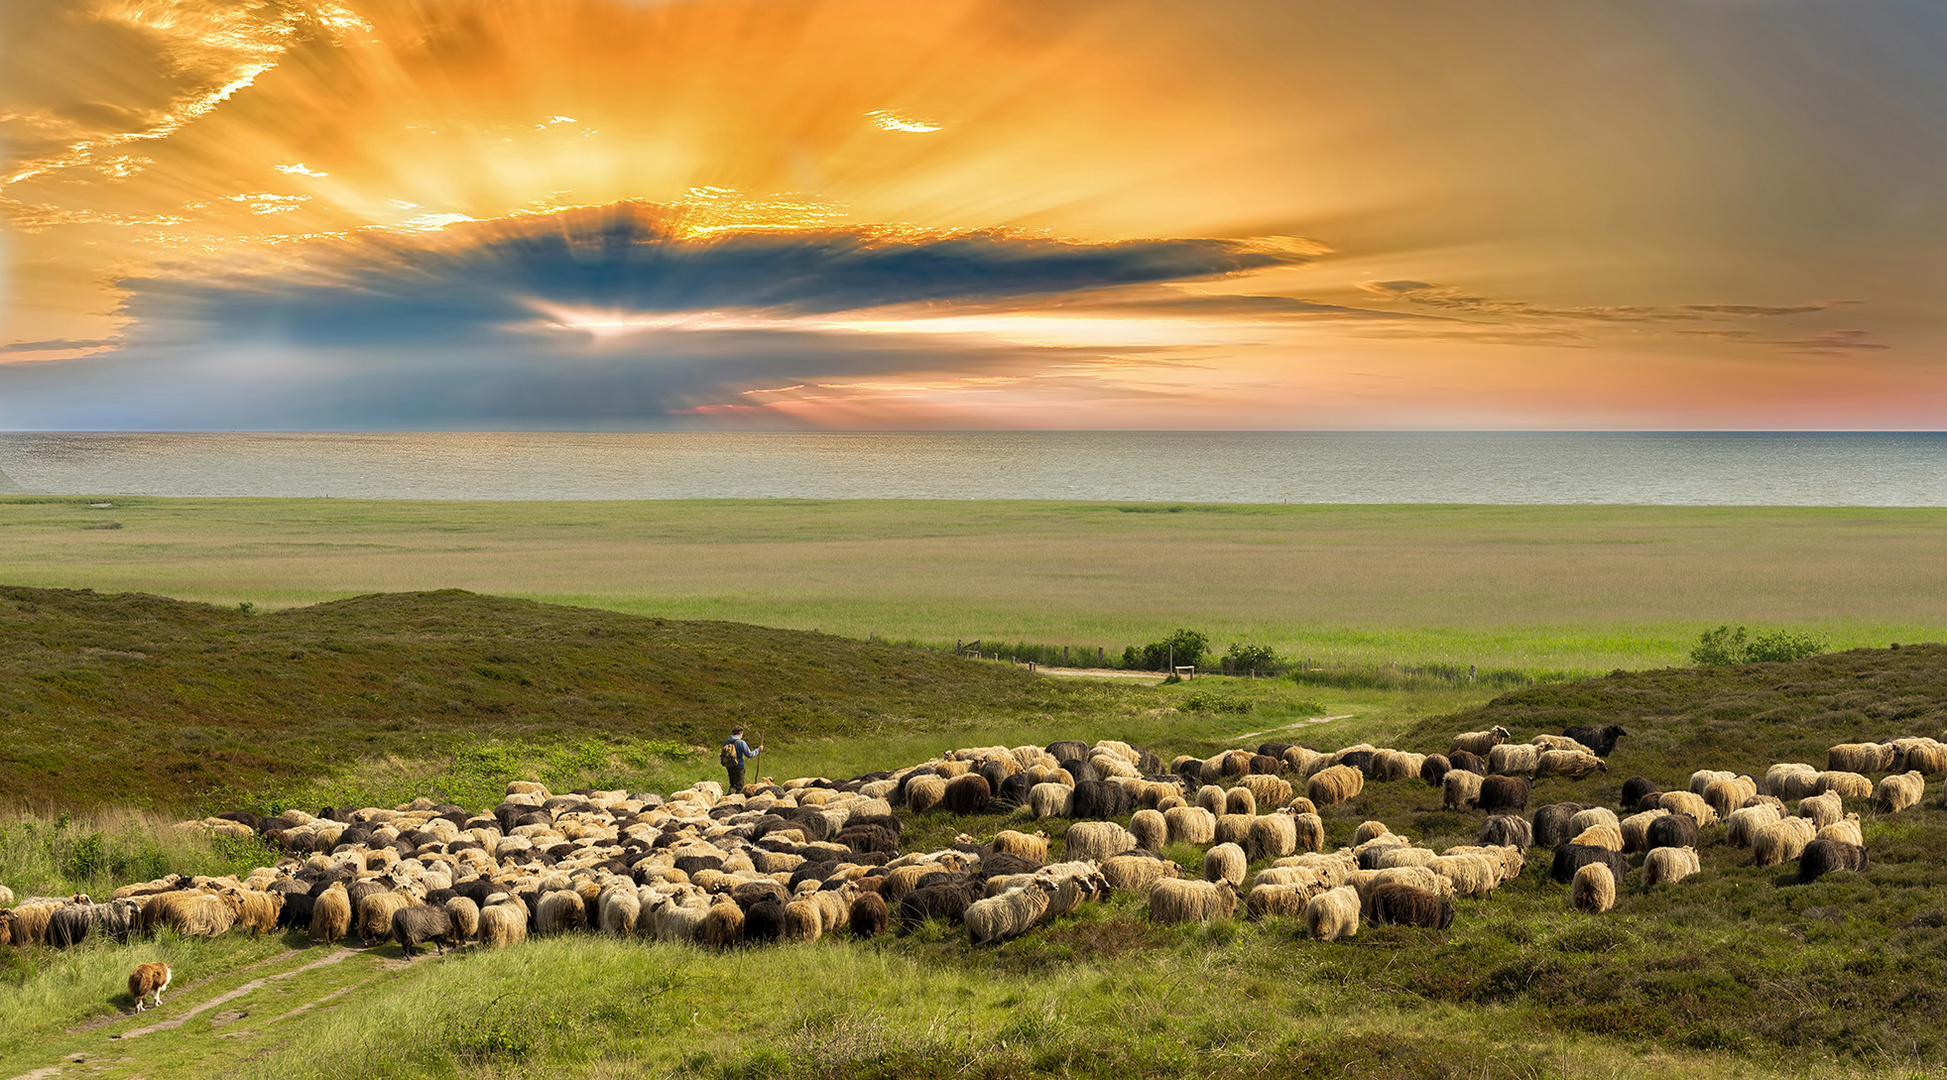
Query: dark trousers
x=736, y=779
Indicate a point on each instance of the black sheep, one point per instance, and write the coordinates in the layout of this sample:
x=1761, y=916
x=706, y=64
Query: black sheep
x=764, y=922
x=1273, y=749
x=1101, y=800
x=1467, y=761
x=1147, y=761
x=1551, y=823
x=1634, y=789
x=1001, y=864
x=296, y=912
x=819, y=872
x=1404, y=905
x=1435, y=768
x=1068, y=750
x=1080, y=771
x=993, y=772
x=967, y=794
x=1266, y=764
x=1506, y=829
x=1500, y=793
x=690, y=864
x=946, y=901
x=890, y=822
x=1822, y=857
x=1572, y=857
x=869, y=838
x=1671, y=830
x=1360, y=760
x=752, y=893
x=1602, y=740
x=868, y=915
x=414, y=926
x=1013, y=792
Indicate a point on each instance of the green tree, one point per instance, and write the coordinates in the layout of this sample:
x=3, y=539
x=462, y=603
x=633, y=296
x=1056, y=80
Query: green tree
x=1251, y=658
x=1182, y=647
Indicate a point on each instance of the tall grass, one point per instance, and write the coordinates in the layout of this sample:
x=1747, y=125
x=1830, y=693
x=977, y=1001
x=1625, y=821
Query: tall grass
x=96, y=851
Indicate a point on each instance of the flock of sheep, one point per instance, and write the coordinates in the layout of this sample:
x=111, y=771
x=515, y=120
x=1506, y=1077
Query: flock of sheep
x=798, y=860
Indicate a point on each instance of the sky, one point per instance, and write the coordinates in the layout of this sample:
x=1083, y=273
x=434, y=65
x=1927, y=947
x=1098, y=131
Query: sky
x=1036, y=214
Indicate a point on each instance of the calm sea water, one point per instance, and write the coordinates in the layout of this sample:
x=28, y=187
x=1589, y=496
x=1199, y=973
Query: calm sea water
x=1876, y=469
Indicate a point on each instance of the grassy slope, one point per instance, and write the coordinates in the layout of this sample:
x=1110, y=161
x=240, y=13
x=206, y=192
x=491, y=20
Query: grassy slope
x=1567, y=587
x=135, y=698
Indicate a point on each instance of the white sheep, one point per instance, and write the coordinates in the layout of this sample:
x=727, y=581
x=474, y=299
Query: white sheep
x=1179, y=900
x=1667, y=864
x=1900, y=792
x=1478, y=743
x=1333, y=914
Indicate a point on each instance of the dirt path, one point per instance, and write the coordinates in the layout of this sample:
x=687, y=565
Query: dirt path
x=335, y=956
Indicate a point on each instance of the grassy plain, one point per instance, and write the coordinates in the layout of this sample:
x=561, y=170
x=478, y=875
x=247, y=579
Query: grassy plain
x=1554, y=588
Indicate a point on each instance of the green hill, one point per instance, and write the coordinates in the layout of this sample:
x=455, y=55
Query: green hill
x=143, y=699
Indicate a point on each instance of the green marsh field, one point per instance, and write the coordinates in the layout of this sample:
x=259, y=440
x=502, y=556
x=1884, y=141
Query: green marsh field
x=601, y=645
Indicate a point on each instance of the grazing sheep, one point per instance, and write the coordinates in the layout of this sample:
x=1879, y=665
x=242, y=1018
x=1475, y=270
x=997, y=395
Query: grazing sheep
x=1924, y=756
x=1394, y=765
x=1570, y=858
x=1101, y=800
x=1368, y=831
x=1847, y=830
x=1051, y=800
x=1434, y=769
x=1136, y=873
x=1151, y=830
x=1478, y=742
x=1460, y=790
x=1790, y=780
x=1822, y=809
x=1272, y=836
x=948, y=901
x=1594, y=889
x=1560, y=742
x=1501, y=793
x=1334, y=785
x=1900, y=792
x=1685, y=802
x=804, y=920
x=1636, y=827
x=723, y=926
x=1225, y=862
x=1776, y=844
x=1190, y=825
x=1467, y=762
x=1703, y=778
x=259, y=910
x=331, y=915
x=503, y=922
x=1507, y=829
x=1268, y=791
x=1670, y=831
x=1666, y=864
x=466, y=919
x=1269, y=900
x=414, y=926
x=372, y=915
x=1308, y=832
x=1600, y=740
x=968, y=794
x=1469, y=874
x=1096, y=840
x=1404, y=905
x=1010, y=914
x=869, y=917
x=1822, y=857
x=1514, y=759
x=1602, y=836
x=149, y=980
x=1178, y=900
x=1572, y=764
x=1028, y=846
x=1240, y=800
x=1725, y=796
x=1743, y=824
x=617, y=911
x=923, y=793
x=1633, y=790
x=1590, y=816
x=1849, y=785
x=1333, y=914
x=1234, y=828
x=189, y=914
x=1859, y=758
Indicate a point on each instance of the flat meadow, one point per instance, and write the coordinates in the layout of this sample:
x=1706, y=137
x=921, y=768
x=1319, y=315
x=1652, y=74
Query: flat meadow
x=1540, y=588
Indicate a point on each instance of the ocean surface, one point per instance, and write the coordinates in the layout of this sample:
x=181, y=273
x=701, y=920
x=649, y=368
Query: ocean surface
x=1778, y=469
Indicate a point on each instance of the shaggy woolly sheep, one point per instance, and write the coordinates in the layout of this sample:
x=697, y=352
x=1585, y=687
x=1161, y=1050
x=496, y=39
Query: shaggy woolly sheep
x=1460, y=790
x=1572, y=764
x=1602, y=836
x=1685, y=802
x=1507, y=829
x=1782, y=842
x=1590, y=816
x=1096, y=840
x=1670, y=831
x=1051, y=800
x=1600, y=740
x=1635, y=829
x=1308, y=832
x=1151, y=830
x=723, y=926
x=1213, y=798
x=1434, y=769
x=1846, y=831
x=1633, y=790
x=1666, y=864
x=414, y=926
x=1790, y=780
x=1368, y=831
x=1478, y=742
x=1500, y=793
x=1468, y=874
x=1240, y=800
x=1178, y=900
x=1560, y=742
x=1822, y=809
x=869, y=916
x=618, y=909
x=1026, y=846
x=1101, y=800
x=968, y=794
x=1404, y=905
x=1924, y=756
x=1234, y=828
x=1190, y=825
x=1136, y=873
x=1859, y=758
x=1225, y=862
x=804, y=920
x=1269, y=900
x=1570, y=858
x=1272, y=836
x=923, y=793
x=1514, y=759
x=466, y=919
x=1703, y=778
x=1900, y=792
x=1268, y=791
x=1726, y=795
x=1743, y=824
x=1335, y=785
x=1333, y=914
x=1849, y=785
x=1594, y=889
x=1822, y=857
x=1467, y=762
x=331, y=915
x=1300, y=760
x=1393, y=765
x=1008, y=915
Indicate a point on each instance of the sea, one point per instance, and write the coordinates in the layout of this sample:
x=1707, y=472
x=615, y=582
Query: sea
x=1632, y=468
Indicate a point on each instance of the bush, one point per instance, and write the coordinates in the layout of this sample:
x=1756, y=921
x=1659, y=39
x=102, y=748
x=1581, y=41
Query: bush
x=1252, y=658
x=1727, y=646
x=1182, y=647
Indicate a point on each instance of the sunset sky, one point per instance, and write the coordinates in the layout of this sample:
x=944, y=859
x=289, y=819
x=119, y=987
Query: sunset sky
x=618, y=214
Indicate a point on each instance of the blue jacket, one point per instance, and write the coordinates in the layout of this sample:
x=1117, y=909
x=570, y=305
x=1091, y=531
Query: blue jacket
x=744, y=752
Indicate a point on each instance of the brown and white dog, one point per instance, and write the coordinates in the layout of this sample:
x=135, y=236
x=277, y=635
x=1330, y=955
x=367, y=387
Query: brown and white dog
x=146, y=980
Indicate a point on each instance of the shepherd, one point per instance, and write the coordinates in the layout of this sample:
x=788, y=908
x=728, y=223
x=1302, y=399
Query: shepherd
x=735, y=752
